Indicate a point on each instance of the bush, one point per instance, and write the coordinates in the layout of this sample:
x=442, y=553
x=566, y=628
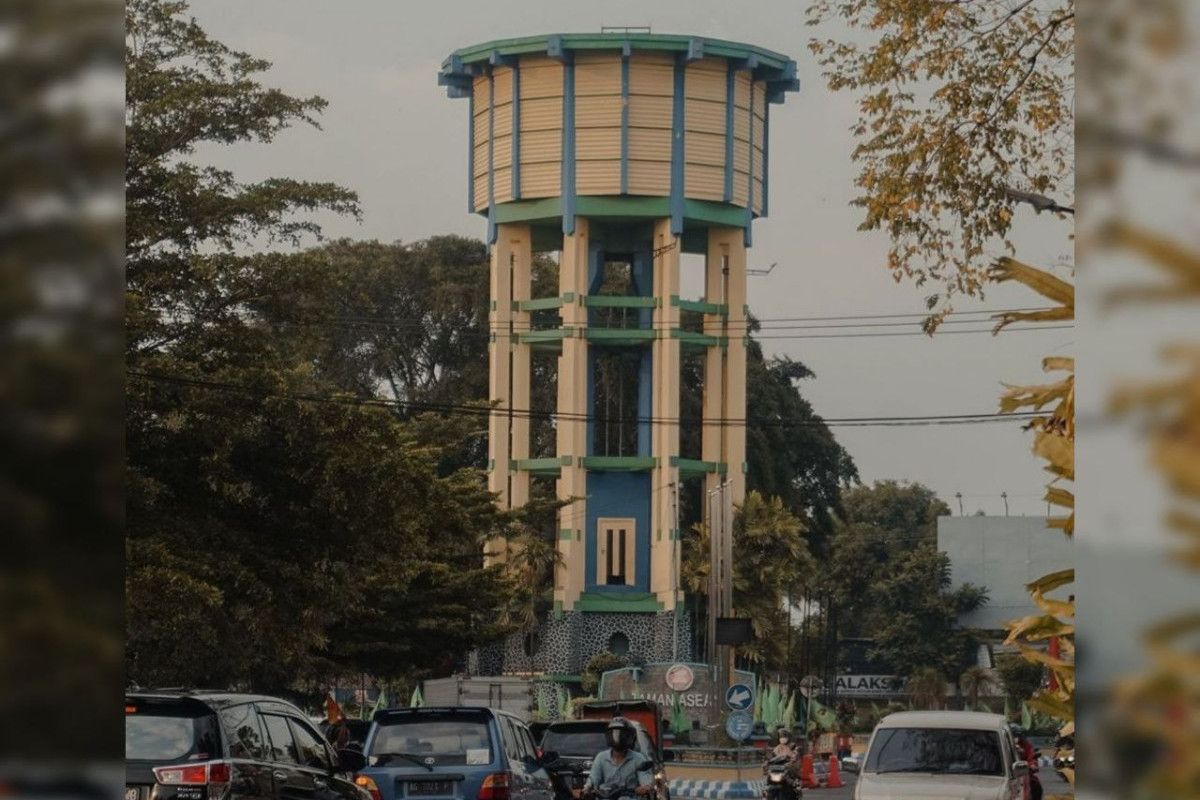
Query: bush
x=596, y=666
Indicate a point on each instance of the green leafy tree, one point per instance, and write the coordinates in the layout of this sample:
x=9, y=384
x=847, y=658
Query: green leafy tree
x=975, y=682
x=596, y=666
x=1021, y=679
x=270, y=497
x=772, y=559
x=926, y=689
x=790, y=453
x=890, y=584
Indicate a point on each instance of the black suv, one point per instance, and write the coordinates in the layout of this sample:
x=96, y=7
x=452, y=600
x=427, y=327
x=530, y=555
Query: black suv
x=577, y=742
x=225, y=746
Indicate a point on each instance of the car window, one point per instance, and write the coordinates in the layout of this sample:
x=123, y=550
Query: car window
x=574, y=740
x=170, y=731
x=452, y=738
x=283, y=746
x=312, y=747
x=530, y=746
x=522, y=739
x=511, y=746
x=244, y=732
x=936, y=750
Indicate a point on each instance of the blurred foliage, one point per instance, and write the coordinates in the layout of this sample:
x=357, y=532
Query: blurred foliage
x=60, y=398
x=961, y=104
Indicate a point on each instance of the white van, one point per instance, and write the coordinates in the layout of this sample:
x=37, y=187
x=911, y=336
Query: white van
x=964, y=755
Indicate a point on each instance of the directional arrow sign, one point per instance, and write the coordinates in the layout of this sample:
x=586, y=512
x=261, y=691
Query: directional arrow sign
x=739, y=697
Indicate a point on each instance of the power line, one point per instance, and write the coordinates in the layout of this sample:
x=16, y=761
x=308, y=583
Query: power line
x=484, y=411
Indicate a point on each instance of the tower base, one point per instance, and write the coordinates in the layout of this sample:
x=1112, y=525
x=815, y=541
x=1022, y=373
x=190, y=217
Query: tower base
x=563, y=644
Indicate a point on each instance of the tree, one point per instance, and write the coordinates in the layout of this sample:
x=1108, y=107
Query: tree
x=596, y=666
x=964, y=105
x=974, y=682
x=1021, y=679
x=927, y=689
x=890, y=584
x=790, y=453
x=773, y=559
x=966, y=112
x=268, y=497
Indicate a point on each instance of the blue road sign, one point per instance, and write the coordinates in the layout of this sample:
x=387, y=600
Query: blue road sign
x=739, y=697
x=739, y=726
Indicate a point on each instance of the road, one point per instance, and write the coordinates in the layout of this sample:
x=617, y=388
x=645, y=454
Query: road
x=1051, y=783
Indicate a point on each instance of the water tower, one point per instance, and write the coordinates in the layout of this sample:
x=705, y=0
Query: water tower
x=621, y=152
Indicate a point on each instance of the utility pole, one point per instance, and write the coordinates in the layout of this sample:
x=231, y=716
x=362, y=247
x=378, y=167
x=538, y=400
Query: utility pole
x=675, y=568
x=959, y=496
x=1004, y=497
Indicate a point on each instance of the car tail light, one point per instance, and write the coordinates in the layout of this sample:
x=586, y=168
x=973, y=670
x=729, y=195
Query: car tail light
x=495, y=787
x=369, y=785
x=540, y=753
x=193, y=774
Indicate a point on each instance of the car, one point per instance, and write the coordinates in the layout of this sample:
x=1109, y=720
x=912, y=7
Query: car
x=197, y=745
x=454, y=753
x=576, y=742
x=929, y=754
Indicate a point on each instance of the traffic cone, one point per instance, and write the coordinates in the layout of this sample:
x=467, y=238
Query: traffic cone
x=807, y=779
x=834, y=781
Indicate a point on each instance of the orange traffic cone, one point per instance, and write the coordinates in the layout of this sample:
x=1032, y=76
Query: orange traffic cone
x=834, y=781
x=807, y=779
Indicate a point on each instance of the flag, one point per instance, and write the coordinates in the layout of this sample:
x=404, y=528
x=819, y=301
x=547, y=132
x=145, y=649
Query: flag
x=563, y=701
x=875, y=710
x=380, y=704
x=416, y=701
x=824, y=717
x=788, y=717
x=333, y=712
x=1026, y=718
x=679, y=720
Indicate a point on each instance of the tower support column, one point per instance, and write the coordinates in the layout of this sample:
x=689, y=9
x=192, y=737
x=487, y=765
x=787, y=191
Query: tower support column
x=522, y=267
x=712, y=441
x=500, y=379
x=572, y=444
x=732, y=244
x=664, y=540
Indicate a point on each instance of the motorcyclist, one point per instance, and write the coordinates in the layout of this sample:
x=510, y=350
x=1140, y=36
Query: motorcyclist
x=784, y=746
x=1029, y=754
x=619, y=764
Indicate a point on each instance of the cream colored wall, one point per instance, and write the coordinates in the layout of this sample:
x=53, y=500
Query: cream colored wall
x=598, y=109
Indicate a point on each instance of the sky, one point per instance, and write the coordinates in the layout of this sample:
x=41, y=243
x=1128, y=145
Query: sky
x=391, y=134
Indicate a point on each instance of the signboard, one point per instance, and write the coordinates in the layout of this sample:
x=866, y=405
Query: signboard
x=700, y=700
x=680, y=678
x=734, y=631
x=870, y=686
x=739, y=697
x=739, y=726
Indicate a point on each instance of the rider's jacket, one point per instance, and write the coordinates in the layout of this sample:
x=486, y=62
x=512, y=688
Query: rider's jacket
x=606, y=770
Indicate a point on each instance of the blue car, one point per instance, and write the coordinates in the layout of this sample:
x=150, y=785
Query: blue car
x=453, y=754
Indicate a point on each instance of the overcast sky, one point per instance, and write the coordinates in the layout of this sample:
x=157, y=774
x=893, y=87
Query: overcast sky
x=391, y=134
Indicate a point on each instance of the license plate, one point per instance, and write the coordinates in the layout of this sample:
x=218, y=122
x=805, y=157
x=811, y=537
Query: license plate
x=132, y=793
x=426, y=788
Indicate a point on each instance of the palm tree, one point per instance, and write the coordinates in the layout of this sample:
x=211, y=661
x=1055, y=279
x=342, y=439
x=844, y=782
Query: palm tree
x=927, y=688
x=974, y=682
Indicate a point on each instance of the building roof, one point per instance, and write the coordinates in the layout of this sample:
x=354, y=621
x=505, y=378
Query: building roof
x=776, y=69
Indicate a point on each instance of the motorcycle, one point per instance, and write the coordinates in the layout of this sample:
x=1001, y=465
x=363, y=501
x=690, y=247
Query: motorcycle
x=620, y=791
x=780, y=784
